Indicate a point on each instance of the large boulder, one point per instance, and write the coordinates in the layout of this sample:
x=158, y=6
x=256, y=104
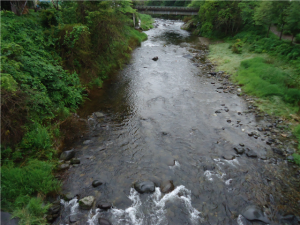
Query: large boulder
x=6, y=219
x=253, y=213
x=103, y=221
x=67, y=155
x=86, y=202
x=144, y=187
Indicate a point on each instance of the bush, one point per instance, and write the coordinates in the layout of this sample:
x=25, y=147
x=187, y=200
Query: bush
x=33, y=178
x=146, y=21
x=237, y=47
x=297, y=38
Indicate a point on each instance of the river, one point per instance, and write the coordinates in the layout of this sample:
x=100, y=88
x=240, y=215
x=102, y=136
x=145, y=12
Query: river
x=166, y=120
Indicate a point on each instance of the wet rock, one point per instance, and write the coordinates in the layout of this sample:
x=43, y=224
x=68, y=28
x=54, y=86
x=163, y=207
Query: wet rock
x=103, y=221
x=96, y=183
x=251, y=153
x=6, y=219
x=250, y=134
x=213, y=73
x=219, y=87
x=228, y=121
x=290, y=150
x=86, y=202
x=63, y=166
x=269, y=142
x=75, y=161
x=55, y=208
x=226, y=110
x=167, y=186
x=241, y=144
x=218, y=111
x=99, y=114
x=67, y=155
x=239, y=150
x=289, y=219
x=290, y=158
x=105, y=205
x=86, y=142
x=228, y=157
x=68, y=196
x=278, y=151
x=144, y=187
x=208, y=167
x=155, y=58
x=73, y=218
x=253, y=213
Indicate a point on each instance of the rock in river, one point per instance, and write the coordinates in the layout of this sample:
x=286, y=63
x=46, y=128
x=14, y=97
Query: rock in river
x=155, y=58
x=99, y=114
x=104, y=205
x=251, y=153
x=239, y=150
x=75, y=161
x=96, y=183
x=86, y=202
x=67, y=155
x=253, y=213
x=167, y=186
x=144, y=187
x=103, y=221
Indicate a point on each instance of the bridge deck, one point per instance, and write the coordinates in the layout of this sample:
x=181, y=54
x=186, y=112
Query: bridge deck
x=167, y=10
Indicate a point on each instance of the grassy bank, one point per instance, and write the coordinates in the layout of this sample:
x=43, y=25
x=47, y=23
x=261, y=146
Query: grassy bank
x=49, y=59
x=273, y=80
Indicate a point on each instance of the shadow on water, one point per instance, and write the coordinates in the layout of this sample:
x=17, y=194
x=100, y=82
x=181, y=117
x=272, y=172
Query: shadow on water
x=160, y=124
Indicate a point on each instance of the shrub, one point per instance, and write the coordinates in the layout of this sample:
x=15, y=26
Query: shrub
x=237, y=47
x=297, y=38
x=146, y=21
x=33, y=178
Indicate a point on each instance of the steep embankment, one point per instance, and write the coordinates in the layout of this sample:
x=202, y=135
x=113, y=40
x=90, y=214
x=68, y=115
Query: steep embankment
x=49, y=60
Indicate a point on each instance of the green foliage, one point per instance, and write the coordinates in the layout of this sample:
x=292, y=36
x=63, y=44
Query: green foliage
x=32, y=213
x=146, y=21
x=18, y=182
x=50, y=17
x=237, y=46
x=20, y=185
x=293, y=18
x=263, y=80
x=37, y=142
x=8, y=82
x=298, y=38
x=296, y=158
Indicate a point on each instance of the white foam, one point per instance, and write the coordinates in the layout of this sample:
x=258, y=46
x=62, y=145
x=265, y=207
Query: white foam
x=228, y=182
x=92, y=218
x=176, y=165
x=155, y=208
x=239, y=220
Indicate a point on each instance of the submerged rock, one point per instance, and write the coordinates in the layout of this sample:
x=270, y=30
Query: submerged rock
x=96, y=183
x=218, y=111
x=167, y=186
x=253, y=213
x=103, y=221
x=67, y=155
x=144, y=187
x=86, y=202
x=105, y=205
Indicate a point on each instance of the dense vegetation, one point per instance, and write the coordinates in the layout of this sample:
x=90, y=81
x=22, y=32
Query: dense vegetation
x=49, y=59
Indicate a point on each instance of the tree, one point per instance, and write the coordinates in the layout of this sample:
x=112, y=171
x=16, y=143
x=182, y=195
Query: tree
x=247, y=11
x=280, y=13
x=264, y=15
x=293, y=18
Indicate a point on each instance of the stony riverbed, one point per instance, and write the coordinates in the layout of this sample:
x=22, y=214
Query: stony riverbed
x=207, y=154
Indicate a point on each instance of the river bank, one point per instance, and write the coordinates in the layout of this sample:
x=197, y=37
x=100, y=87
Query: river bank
x=177, y=119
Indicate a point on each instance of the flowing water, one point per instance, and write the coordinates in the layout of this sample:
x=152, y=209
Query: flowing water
x=160, y=124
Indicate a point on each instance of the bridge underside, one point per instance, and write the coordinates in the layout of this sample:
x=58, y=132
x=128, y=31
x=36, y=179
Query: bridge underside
x=168, y=13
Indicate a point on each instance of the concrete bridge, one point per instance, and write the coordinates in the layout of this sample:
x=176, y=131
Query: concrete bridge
x=167, y=10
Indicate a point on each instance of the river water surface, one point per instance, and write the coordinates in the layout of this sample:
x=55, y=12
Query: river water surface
x=160, y=124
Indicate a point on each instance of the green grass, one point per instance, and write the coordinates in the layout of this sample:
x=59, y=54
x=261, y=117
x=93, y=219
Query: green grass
x=146, y=21
x=22, y=189
x=260, y=77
